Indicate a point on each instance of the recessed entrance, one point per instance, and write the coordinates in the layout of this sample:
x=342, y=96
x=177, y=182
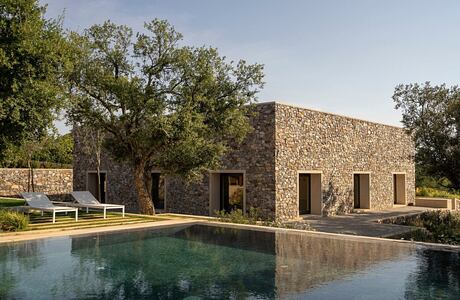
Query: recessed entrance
x=361, y=190
x=92, y=184
x=158, y=190
x=227, y=192
x=399, y=189
x=309, y=193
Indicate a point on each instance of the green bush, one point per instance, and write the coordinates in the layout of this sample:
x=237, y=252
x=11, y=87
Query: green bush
x=237, y=216
x=253, y=217
x=436, y=193
x=13, y=221
x=437, y=226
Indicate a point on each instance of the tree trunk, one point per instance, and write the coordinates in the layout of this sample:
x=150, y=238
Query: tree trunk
x=32, y=176
x=28, y=175
x=144, y=198
x=98, y=171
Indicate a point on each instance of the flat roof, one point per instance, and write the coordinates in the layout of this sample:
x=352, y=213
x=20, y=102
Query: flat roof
x=327, y=113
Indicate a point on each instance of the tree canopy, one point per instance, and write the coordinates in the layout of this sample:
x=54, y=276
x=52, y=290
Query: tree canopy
x=161, y=104
x=32, y=55
x=432, y=116
x=52, y=151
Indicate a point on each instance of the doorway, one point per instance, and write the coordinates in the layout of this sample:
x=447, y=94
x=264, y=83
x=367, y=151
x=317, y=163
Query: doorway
x=227, y=191
x=309, y=193
x=92, y=185
x=158, y=190
x=361, y=190
x=399, y=189
x=231, y=191
x=304, y=194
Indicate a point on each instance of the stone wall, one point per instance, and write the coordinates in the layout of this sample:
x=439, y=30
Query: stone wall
x=255, y=156
x=120, y=182
x=337, y=146
x=56, y=183
x=285, y=140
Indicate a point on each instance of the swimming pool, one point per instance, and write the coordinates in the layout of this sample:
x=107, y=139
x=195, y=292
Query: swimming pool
x=210, y=262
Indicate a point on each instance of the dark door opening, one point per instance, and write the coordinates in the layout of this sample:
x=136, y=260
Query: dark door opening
x=399, y=189
x=231, y=191
x=356, y=191
x=304, y=194
x=92, y=185
x=395, y=189
x=158, y=191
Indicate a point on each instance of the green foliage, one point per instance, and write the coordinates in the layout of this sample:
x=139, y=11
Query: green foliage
x=53, y=151
x=32, y=56
x=253, y=217
x=237, y=216
x=428, y=186
x=438, y=226
x=432, y=115
x=436, y=193
x=432, y=182
x=8, y=202
x=13, y=221
x=160, y=104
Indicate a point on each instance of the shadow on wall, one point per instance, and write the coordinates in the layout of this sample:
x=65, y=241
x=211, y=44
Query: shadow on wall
x=336, y=201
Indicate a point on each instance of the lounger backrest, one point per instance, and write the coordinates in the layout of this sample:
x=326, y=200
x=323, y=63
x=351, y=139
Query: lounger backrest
x=85, y=197
x=37, y=200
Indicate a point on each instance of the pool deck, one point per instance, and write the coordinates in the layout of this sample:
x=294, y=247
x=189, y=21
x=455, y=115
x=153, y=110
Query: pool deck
x=363, y=222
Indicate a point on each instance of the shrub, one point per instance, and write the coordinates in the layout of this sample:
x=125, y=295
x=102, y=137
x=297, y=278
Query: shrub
x=13, y=221
x=237, y=216
x=436, y=193
x=254, y=217
x=438, y=226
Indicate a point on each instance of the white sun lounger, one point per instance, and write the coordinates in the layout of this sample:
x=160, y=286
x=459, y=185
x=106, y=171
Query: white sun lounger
x=40, y=202
x=84, y=199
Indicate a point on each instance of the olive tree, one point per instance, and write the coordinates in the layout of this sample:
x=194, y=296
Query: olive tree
x=161, y=104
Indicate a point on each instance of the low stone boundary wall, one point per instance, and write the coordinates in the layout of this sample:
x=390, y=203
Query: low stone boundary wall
x=452, y=204
x=57, y=183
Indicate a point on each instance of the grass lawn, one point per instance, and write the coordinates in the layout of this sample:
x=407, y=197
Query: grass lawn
x=9, y=202
x=85, y=220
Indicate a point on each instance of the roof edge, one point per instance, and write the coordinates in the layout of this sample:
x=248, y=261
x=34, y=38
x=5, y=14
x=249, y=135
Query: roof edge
x=277, y=102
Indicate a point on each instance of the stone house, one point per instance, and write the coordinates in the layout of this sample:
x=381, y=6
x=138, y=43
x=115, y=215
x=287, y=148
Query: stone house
x=296, y=161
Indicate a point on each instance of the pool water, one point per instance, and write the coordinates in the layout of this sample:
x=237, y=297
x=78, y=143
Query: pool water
x=209, y=262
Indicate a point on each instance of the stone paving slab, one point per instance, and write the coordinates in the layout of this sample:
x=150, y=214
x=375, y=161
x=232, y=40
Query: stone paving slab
x=364, y=222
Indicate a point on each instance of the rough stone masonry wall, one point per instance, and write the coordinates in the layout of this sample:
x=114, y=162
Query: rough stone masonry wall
x=120, y=182
x=338, y=146
x=255, y=156
x=56, y=183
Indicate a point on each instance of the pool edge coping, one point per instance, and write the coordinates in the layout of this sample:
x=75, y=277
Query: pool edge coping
x=331, y=234
x=26, y=236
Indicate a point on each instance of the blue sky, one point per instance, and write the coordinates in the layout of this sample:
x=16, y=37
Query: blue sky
x=344, y=57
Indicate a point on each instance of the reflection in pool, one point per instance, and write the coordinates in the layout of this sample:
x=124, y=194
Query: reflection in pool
x=205, y=262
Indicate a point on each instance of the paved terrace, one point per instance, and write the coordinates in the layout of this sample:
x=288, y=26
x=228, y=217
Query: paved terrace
x=363, y=222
